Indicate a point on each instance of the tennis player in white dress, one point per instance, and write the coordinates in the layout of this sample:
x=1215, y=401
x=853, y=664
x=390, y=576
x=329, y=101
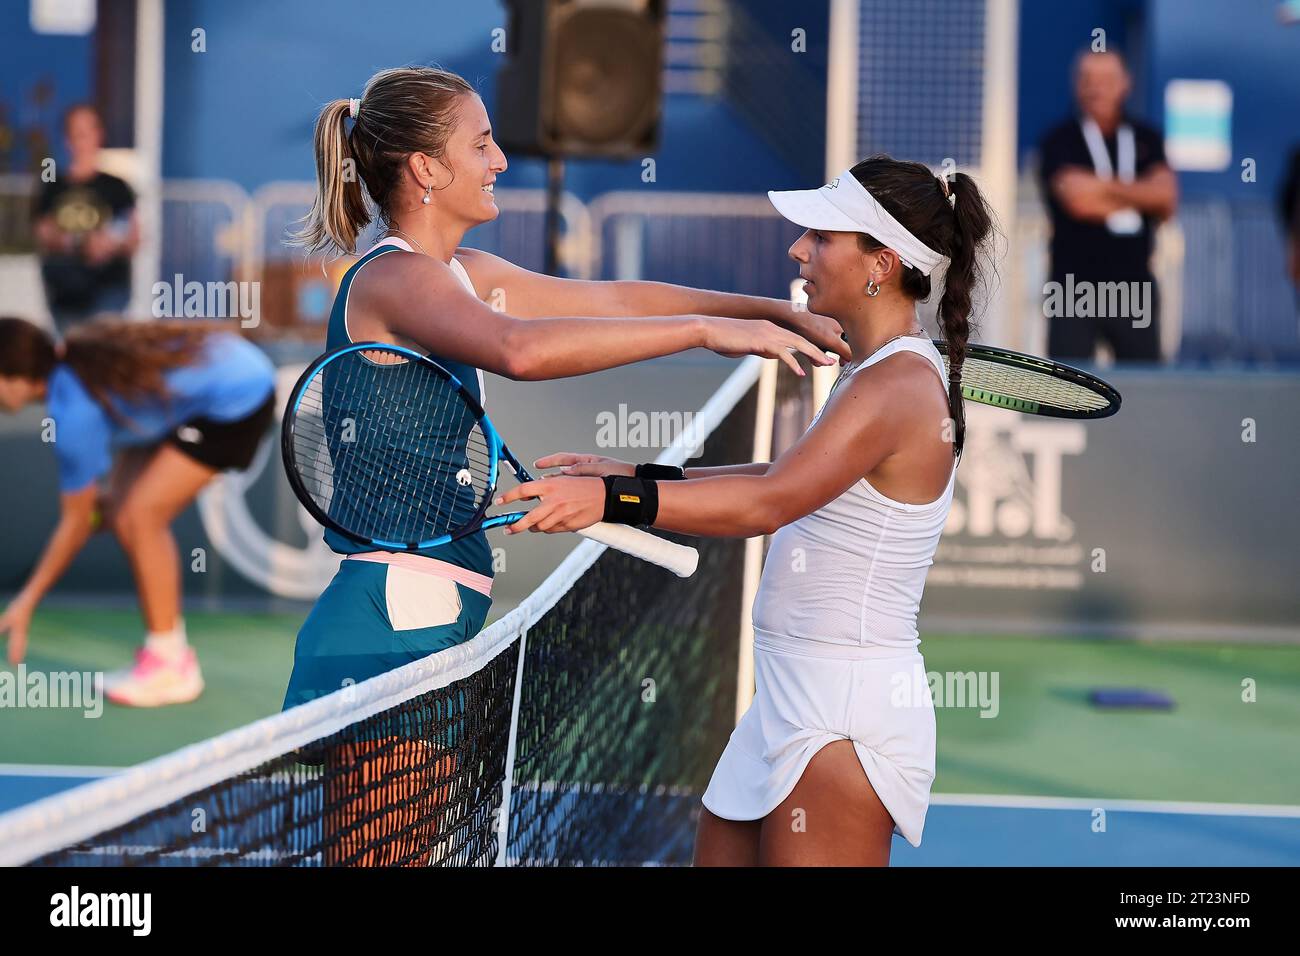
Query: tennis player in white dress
x=837, y=751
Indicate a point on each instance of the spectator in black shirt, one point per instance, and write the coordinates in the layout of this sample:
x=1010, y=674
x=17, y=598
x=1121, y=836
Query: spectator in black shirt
x=1107, y=187
x=1289, y=212
x=86, y=228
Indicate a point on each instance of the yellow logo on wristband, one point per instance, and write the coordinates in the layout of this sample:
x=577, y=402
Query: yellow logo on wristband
x=633, y=499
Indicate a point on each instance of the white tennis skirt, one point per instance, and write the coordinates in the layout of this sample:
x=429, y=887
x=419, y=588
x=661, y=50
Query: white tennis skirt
x=809, y=694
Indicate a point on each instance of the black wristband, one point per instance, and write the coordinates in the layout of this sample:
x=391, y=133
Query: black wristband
x=655, y=472
x=630, y=500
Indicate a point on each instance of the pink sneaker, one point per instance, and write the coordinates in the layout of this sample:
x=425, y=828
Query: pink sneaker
x=156, y=681
x=105, y=682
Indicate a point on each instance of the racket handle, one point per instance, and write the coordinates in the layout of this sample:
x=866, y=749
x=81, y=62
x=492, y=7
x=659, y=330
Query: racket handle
x=677, y=558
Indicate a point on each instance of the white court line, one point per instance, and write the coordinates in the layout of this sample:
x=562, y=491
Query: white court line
x=55, y=770
x=1013, y=802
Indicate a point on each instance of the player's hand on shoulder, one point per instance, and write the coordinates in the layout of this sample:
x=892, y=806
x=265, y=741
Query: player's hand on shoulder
x=736, y=337
x=821, y=330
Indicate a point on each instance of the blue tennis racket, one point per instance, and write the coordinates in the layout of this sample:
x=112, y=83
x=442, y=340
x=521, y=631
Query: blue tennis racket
x=384, y=445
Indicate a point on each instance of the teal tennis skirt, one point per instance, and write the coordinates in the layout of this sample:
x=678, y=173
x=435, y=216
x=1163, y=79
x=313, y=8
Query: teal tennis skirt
x=374, y=618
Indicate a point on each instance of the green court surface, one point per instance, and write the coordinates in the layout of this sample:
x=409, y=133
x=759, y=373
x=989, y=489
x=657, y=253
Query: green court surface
x=246, y=659
x=1045, y=740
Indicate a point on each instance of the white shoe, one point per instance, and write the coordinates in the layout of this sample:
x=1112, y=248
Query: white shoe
x=155, y=681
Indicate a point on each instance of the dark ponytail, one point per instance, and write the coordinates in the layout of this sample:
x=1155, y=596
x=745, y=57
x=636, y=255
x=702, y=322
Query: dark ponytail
x=953, y=219
x=973, y=223
x=114, y=359
x=123, y=360
x=26, y=350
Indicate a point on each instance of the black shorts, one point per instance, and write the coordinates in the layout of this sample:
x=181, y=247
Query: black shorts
x=1075, y=338
x=225, y=445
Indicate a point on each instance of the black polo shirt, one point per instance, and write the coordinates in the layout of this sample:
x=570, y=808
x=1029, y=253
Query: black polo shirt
x=79, y=208
x=1288, y=209
x=1088, y=249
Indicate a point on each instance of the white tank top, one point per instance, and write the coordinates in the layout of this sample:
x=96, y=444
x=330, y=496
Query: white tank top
x=852, y=572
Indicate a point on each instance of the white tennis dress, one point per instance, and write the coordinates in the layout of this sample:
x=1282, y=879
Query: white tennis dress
x=835, y=650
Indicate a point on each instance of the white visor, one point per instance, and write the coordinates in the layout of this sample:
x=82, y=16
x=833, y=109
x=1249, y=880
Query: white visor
x=844, y=205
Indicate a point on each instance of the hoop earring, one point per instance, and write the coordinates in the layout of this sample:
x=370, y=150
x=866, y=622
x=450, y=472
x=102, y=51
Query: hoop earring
x=873, y=289
x=428, y=191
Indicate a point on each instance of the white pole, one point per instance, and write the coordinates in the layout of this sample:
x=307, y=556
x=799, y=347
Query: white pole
x=997, y=172
x=765, y=417
x=842, y=88
x=149, y=49
x=841, y=129
x=502, y=821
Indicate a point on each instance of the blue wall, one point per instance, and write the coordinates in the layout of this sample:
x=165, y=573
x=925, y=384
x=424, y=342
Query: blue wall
x=1238, y=41
x=1051, y=33
x=1242, y=43
x=26, y=60
x=245, y=109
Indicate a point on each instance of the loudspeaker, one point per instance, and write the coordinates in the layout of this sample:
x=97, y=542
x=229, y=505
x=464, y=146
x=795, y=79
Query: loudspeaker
x=582, y=78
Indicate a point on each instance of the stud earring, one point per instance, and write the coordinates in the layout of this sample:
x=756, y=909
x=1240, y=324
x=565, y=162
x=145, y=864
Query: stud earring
x=873, y=289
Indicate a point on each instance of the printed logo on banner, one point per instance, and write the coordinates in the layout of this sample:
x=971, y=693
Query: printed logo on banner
x=1007, y=528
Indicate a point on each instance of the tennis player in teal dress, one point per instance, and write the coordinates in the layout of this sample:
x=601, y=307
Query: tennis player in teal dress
x=418, y=147
x=385, y=609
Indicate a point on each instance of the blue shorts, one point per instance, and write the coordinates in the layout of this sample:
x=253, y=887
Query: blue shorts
x=374, y=618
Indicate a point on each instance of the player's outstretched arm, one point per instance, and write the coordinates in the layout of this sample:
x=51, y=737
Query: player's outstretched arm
x=417, y=298
x=570, y=463
x=530, y=295
x=862, y=425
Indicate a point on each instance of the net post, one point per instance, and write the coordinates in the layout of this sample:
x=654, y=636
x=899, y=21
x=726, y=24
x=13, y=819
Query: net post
x=764, y=418
x=823, y=379
x=508, y=778
x=842, y=88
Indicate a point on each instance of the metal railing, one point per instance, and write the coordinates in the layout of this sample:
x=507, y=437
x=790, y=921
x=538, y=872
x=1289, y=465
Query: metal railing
x=708, y=240
x=1224, y=291
x=203, y=223
x=1220, y=266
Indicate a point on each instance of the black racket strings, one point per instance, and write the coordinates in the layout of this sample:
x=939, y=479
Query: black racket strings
x=390, y=450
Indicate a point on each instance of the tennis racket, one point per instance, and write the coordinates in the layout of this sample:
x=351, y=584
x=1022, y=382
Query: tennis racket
x=1035, y=386
x=385, y=446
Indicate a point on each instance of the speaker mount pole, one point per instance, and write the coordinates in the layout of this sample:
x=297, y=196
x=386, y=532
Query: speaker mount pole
x=554, y=193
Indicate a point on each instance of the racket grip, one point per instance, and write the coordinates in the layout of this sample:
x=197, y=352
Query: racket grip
x=677, y=558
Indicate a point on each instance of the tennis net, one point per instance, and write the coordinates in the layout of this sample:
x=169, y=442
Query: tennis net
x=580, y=729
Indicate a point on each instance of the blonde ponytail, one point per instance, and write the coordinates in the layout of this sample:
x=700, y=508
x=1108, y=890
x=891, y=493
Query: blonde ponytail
x=401, y=111
x=340, y=210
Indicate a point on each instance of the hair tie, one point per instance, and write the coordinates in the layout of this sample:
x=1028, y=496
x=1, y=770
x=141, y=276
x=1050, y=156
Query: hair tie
x=948, y=193
x=354, y=107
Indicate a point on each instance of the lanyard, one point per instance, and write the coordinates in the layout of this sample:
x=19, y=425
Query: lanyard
x=1122, y=222
x=1100, y=155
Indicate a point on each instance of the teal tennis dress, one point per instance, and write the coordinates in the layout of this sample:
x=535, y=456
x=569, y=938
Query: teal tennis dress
x=382, y=611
